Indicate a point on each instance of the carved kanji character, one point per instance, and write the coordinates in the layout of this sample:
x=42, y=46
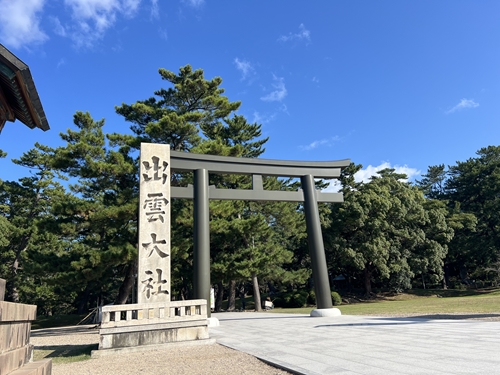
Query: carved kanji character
x=152, y=286
x=155, y=245
x=154, y=207
x=156, y=170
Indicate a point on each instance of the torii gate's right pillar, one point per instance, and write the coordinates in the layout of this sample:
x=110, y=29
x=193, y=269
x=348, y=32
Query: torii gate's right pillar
x=316, y=247
x=201, y=259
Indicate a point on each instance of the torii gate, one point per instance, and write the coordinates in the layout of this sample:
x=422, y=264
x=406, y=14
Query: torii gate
x=202, y=165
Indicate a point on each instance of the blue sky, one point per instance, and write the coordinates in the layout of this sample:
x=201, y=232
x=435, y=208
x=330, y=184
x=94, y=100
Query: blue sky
x=405, y=84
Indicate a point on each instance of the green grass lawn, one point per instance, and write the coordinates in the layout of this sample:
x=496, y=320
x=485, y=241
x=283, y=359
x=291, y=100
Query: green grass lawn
x=65, y=353
x=421, y=303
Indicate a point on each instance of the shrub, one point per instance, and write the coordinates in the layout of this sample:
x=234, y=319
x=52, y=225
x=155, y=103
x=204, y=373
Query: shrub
x=336, y=299
x=291, y=299
x=278, y=301
x=311, y=299
x=295, y=299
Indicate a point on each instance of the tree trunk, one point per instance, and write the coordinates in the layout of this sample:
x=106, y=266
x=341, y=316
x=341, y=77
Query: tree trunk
x=185, y=292
x=220, y=297
x=14, y=293
x=368, y=281
x=82, y=305
x=127, y=284
x=231, y=299
x=423, y=281
x=445, y=277
x=256, y=293
x=242, y=296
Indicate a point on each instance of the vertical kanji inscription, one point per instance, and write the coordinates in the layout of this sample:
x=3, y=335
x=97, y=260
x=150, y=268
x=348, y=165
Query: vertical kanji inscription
x=154, y=224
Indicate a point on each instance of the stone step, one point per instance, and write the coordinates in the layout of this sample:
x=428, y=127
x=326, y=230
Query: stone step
x=14, y=359
x=15, y=312
x=42, y=367
x=14, y=335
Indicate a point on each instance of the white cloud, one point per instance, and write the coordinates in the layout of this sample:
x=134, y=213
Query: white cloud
x=284, y=108
x=245, y=67
x=92, y=18
x=279, y=93
x=20, y=23
x=322, y=142
x=194, y=3
x=58, y=27
x=303, y=34
x=464, y=103
x=61, y=62
x=163, y=33
x=155, y=9
x=262, y=119
x=364, y=175
x=129, y=7
x=333, y=187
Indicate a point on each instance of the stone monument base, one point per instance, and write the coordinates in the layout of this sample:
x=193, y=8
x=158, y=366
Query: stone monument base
x=152, y=325
x=326, y=312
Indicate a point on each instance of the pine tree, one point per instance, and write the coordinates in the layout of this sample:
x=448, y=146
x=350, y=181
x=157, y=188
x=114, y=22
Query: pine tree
x=194, y=116
x=99, y=219
x=23, y=204
x=176, y=115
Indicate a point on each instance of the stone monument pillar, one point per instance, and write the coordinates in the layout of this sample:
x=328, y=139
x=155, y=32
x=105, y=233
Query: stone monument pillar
x=154, y=321
x=154, y=224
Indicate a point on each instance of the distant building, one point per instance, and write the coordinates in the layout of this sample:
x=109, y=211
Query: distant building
x=18, y=96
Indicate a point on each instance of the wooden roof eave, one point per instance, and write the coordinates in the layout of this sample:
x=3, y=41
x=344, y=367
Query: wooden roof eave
x=29, y=107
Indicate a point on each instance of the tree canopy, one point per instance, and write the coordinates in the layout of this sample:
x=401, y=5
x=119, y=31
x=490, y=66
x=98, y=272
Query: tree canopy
x=386, y=229
x=68, y=232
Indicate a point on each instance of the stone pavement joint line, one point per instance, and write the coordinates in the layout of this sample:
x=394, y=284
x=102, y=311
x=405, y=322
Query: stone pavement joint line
x=348, y=345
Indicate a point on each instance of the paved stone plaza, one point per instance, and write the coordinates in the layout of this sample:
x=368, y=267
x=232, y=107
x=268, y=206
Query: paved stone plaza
x=364, y=345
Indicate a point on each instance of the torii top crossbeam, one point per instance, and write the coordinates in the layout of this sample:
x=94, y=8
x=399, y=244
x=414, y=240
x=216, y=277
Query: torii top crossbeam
x=184, y=161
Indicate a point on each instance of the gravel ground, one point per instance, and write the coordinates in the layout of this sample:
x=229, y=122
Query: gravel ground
x=203, y=359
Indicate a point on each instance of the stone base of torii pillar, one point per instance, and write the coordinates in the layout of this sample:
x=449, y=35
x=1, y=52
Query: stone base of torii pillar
x=333, y=311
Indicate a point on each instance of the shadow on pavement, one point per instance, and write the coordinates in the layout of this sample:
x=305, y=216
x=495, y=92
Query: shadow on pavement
x=452, y=316
x=418, y=319
x=87, y=329
x=266, y=317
